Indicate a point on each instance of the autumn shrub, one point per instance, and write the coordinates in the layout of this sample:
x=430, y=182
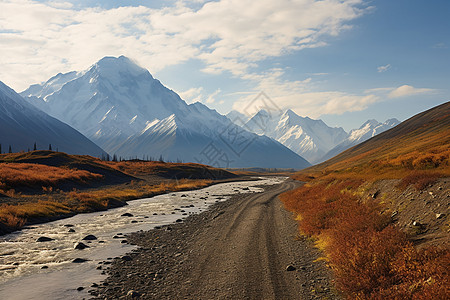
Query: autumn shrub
x=371, y=258
x=419, y=179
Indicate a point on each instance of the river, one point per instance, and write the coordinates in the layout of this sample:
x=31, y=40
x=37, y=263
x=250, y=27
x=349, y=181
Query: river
x=44, y=270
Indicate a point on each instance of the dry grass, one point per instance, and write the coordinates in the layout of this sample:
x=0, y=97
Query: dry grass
x=36, y=175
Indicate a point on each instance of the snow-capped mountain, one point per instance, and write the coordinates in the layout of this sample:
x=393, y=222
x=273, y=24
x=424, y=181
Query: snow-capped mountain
x=22, y=125
x=122, y=108
x=356, y=136
x=308, y=138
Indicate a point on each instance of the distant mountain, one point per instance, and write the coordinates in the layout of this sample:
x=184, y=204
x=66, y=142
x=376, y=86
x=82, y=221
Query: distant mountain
x=369, y=129
x=422, y=139
x=309, y=138
x=22, y=125
x=237, y=117
x=122, y=108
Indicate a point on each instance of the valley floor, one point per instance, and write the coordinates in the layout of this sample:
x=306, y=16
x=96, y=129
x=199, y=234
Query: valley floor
x=238, y=249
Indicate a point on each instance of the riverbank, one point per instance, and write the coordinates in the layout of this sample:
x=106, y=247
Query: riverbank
x=42, y=186
x=245, y=247
x=51, y=207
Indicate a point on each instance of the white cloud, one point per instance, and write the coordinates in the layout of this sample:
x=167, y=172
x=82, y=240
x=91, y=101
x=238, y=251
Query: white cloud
x=407, y=90
x=211, y=97
x=198, y=95
x=382, y=69
x=192, y=95
x=304, y=97
x=401, y=91
x=41, y=39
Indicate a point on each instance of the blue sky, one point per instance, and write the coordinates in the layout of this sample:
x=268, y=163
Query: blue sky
x=342, y=61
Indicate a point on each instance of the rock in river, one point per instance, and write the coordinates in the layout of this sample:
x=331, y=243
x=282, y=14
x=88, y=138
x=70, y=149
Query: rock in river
x=79, y=260
x=81, y=246
x=44, y=239
x=89, y=237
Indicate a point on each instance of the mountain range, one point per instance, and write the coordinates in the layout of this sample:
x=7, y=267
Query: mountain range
x=123, y=109
x=22, y=125
x=309, y=138
x=356, y=136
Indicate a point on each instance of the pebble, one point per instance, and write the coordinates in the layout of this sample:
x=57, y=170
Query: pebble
x=133, y=294
x=290, y=268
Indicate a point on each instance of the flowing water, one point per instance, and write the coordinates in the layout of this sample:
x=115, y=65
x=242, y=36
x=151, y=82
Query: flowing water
x=44, y=270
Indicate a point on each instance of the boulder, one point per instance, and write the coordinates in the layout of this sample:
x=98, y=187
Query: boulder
x=81, y=246
x=89, y=237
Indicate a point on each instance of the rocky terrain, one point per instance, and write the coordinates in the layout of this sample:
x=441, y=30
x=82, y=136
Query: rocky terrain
x=247, y=247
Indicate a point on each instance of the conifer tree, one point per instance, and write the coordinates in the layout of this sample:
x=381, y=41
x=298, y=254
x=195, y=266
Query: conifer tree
x=34, y=147
x=10, y=149
x=50, y=147
x=0, y=148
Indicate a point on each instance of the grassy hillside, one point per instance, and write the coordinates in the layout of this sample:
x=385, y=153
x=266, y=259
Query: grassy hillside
x=40, y=186
x=353, y=206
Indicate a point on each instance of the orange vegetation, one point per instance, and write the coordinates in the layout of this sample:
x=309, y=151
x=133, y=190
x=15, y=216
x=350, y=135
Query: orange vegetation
x=24, y=174
x=371, y=258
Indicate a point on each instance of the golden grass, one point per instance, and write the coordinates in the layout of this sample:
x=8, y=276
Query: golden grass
x=24, y=174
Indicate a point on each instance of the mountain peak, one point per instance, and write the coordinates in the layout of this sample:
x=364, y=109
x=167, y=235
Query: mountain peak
x=370, y=123
x=392, y=122
x=109, y=66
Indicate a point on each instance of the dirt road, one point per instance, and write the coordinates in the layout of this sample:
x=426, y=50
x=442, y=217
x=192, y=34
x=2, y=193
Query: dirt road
x=239, y=249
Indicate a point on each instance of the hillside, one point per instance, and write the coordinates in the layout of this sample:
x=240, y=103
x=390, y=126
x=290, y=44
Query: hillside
x=356, y=136
x=380, y=211
x=421, y=142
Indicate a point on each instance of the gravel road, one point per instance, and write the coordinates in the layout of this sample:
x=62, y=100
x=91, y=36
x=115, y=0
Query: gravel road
x=238, y=249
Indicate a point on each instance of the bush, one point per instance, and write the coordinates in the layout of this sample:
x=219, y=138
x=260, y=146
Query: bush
x=371, y=258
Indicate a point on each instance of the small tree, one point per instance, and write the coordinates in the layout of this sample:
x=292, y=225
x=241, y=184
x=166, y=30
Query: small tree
x=34, y=147
x=0, y=148
x=49, y=147
x=10, y=149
